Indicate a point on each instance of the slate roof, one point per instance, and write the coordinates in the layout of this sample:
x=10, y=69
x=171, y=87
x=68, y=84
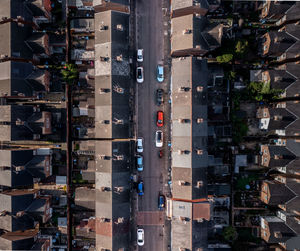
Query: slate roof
x=287, y=155
x=181, y=231
x=277, y=43
x=31, y=122
x=279, y=193
x=89, y=173
x=99, y=2
x=281, y=227
x=180, y=4
x=12, y=36
x=15, y=203
x=292, y=219
x=18, y=240
x=112, y=75
x=272, y=10
x=286, y=118
x=83, y=25
x=112, y=106
x=110, y=42
x=219, y=189
x=34, y=166
x=293, y=13
x=20, y=79
x=13, y=223
x=192, y=34
x=191, y=105
x=85, y=197
x=112, y=174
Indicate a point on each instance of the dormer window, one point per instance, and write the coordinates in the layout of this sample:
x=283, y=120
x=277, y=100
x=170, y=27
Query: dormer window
x=103, y=27
x=187, y=31
x=199, y=152
x=120, y=27
x=119, y=58
x=199, y=120
x=199, y=88
x=104, y=59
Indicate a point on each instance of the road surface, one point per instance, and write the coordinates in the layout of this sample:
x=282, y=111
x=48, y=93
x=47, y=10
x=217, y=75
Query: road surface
x=150, y=37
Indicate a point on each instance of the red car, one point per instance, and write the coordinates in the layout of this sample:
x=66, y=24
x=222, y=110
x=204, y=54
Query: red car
x=160, y=119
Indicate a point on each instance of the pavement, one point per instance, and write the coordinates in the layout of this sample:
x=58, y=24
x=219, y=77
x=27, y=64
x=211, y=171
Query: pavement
x=151, y=33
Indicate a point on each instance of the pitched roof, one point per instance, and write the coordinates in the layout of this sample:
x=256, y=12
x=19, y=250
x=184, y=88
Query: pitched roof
x=22, y=122
x=13, y=223
x=277, y=225
x=112, y=194
x=85, y=197
x=111, y=44
x=195, y=34
x=99, y=2
x=278, y=193
x=31, y=166
x=188, y=104
x=279, y=43
x=272, y=10
x=16, y=79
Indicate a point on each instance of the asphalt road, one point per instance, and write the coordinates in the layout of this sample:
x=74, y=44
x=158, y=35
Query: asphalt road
x=150, y=37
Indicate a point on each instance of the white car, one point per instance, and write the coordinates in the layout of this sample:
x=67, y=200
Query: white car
x=159, y=138
x=140, y=55
x=160, y=73
x=139, y=145
x=139, y=75
x=140, y=237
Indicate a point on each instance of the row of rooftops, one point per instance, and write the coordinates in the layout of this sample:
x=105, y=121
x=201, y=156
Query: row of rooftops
x=20, y=212
x=109, y=168
x=26, y=49
x=199, y=101
x=110, y=197
x=281, y=119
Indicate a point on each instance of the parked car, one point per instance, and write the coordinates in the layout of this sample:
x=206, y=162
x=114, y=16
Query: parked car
x=140, y=237
x=139, y=75
x=140, y=55
x=160, y=119
x=161, y=202
x=160, y=153
x=139, y=162
x=139, y=145
x=159, y=96
x=140, y=188
x=159, y=138
x=160, y=73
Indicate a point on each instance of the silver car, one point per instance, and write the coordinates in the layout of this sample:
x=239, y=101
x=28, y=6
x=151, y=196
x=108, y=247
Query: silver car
x=139, y=75
x=140, y=237
x=159, y=138
x=139, y=145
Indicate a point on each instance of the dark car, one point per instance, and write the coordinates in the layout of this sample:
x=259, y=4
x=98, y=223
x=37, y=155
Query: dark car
x=161, y=202
x=160, y=153
x=159, y=96
x=140, y=188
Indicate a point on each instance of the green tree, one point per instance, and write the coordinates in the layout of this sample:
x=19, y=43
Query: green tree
x=225, y=58
x=69, y=73
x=262, y=91
x=241, y=47
x=229, y=233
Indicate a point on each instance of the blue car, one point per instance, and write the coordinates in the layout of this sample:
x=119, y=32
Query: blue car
x=161, y=202
x=139, y=162
x=160, y=73
x=140, y=189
